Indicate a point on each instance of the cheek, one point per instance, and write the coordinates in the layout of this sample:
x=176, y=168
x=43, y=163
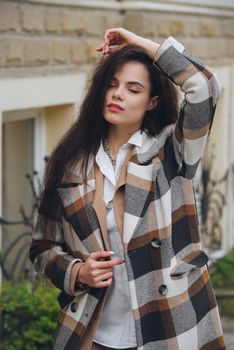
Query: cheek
x=107, y=97
x=140, y=103
x=106, y=100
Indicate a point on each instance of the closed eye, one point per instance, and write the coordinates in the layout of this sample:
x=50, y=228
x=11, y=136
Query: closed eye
x=135, y=87
x=134, y=91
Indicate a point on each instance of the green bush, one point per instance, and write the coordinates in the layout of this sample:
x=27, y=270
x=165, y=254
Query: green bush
x=222, y=275
x=29, y=317
x=223, y=281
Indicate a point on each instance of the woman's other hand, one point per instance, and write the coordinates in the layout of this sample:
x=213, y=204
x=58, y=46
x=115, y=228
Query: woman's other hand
x=96, y=271
x=116, y=38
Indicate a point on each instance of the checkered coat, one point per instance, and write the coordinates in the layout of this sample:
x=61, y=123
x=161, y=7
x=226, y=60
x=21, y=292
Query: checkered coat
x=173, y=303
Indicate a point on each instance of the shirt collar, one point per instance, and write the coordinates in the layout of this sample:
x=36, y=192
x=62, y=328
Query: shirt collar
x=136, y=139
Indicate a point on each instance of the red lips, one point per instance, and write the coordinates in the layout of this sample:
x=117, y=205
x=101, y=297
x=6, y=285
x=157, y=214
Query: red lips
x=113, y=107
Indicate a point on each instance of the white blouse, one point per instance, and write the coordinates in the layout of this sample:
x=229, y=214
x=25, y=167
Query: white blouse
x=117, y=327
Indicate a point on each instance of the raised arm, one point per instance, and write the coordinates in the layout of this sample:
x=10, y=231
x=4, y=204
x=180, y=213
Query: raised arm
x=198, y=84
x=201, y=90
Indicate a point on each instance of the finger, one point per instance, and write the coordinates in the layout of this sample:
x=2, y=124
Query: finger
x=111, y=32
x=99, y=272
x=113, y=39
x=100, y=48
x=116, y=48
x=106, y=49
x=103, y=277
x=101, y=254
x=109, y=264
x=103, y=284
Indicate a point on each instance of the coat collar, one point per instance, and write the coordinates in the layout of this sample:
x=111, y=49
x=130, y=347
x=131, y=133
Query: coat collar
x=142, y=154
x=73, y=174
x=151, y=146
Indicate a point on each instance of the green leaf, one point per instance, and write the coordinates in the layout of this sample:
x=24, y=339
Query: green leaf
x=29, y=315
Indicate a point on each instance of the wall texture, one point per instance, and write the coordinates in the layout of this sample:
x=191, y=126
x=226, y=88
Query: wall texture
x=41, y=38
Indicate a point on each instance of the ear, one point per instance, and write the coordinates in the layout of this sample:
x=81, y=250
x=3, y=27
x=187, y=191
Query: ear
x=152, y=103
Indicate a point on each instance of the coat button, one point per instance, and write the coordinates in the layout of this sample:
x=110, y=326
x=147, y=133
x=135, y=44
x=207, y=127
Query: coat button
x=74, y=307
x=156, y=243
x=163, y=289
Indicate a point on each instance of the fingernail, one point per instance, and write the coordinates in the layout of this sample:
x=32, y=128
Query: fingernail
x=111, y=252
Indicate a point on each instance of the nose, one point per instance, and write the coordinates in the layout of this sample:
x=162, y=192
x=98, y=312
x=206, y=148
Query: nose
x=117, y=93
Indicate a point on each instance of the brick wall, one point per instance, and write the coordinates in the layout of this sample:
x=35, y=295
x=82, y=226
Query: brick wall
x=39, y=39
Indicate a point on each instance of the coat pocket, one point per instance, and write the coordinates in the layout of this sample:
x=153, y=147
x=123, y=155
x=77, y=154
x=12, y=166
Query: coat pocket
x=194, y=260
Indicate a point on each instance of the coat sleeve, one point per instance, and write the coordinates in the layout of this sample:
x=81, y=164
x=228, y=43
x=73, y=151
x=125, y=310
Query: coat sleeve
x=201, y=90
x=50, y=258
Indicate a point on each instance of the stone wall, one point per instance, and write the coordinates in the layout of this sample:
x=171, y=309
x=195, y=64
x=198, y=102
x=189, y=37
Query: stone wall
x=40, y=39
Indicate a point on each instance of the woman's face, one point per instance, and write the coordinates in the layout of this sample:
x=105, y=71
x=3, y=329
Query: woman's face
x=128, y=96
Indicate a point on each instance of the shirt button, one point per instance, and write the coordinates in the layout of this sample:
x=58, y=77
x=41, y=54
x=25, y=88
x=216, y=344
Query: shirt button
x=156, y=243
x=74, y=307
x=109, y=205
x=163, y=289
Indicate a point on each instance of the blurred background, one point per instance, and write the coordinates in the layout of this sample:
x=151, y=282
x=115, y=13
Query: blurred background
x=47, y=51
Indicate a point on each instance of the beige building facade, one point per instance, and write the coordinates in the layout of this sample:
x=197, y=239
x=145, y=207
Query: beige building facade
x=47, y=50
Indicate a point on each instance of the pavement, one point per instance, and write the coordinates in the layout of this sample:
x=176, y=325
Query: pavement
x=229, y=339
x=228, y=328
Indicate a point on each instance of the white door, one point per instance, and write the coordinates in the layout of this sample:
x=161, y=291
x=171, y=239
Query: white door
x=22, y=149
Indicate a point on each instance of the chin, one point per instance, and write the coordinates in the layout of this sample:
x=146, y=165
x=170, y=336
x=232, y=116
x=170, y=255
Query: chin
x=113, y=119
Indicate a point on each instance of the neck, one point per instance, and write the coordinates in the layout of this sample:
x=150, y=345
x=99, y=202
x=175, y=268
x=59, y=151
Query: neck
x=117, y=137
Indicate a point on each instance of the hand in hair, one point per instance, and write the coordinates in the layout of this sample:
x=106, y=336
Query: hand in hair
x=116, y=38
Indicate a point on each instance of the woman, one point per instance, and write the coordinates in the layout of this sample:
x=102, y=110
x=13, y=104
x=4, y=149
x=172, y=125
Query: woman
x=117, y=228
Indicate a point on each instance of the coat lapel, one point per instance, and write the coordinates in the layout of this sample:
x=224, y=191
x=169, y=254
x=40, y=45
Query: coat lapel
x=138, y=193
x=139, y=184
x=119, y=193
x=99, y=206
x=84, y=206
x=141, y=181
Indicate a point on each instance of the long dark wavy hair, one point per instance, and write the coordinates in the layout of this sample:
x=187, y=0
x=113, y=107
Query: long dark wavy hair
x=84, y=136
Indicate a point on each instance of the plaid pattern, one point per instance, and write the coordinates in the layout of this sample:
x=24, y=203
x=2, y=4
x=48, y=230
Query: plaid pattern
x=172, y=298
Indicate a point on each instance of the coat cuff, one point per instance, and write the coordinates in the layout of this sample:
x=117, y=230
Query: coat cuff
x=76, y=288
x=171, y=60
x=166, y=45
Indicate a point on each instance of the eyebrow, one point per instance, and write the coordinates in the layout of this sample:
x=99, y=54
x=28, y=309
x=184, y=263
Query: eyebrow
x=135, y=83
x=131, y=82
